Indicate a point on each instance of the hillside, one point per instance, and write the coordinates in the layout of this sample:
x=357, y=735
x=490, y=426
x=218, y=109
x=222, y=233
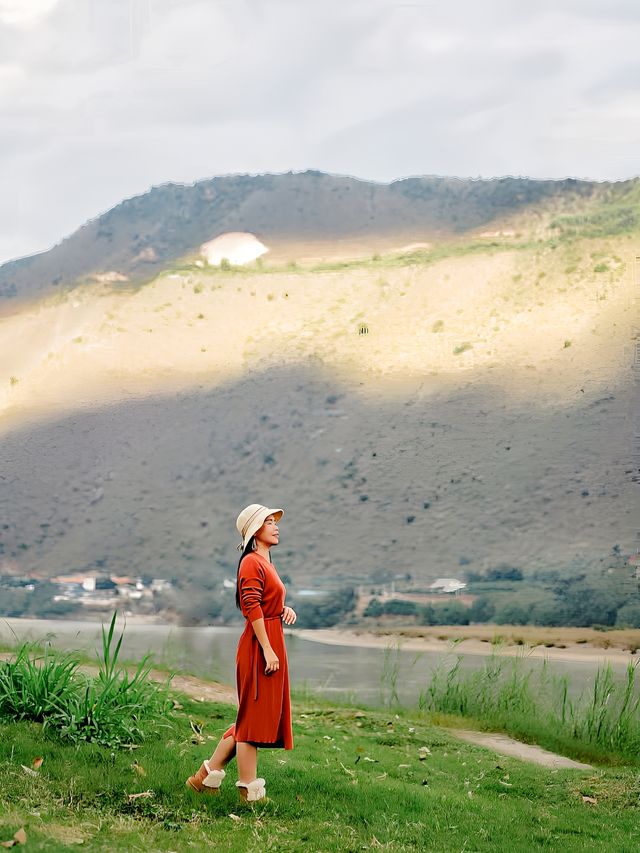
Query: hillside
x=324, y=213
x=415, y=409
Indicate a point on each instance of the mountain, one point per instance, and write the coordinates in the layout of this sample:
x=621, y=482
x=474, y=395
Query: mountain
x=463, y=402
x=140, y=236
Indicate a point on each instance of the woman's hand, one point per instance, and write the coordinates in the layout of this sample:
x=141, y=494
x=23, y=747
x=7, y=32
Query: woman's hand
x=289, y=616
x=273, y=663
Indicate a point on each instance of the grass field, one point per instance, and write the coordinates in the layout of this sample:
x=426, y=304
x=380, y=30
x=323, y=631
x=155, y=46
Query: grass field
x=354, y=781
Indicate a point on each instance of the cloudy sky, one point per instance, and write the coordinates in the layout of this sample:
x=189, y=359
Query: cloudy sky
x=101, y=99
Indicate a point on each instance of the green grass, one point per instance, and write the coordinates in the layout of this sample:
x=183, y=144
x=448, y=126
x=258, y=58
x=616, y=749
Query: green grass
x=419, y=257
x=613, y=214
x=425, y=257
x=353, y=781
x=600, y=724
x=114, y=708
x=609, y=221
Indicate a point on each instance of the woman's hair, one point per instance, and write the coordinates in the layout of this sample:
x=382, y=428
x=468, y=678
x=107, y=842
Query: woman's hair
x=248, y=549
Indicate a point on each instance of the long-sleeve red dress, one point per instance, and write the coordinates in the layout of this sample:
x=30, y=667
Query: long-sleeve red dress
x=264, y=704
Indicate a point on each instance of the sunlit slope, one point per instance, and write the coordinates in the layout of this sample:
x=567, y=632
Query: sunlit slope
x=470, y=402
x=547, y=320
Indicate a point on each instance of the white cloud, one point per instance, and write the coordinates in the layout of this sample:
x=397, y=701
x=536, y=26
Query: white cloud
x=24, y=13
x=100, y=100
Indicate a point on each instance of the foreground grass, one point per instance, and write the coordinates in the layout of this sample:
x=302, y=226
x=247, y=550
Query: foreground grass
x=354, y=781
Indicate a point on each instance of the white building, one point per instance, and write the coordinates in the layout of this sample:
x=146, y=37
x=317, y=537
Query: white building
x=237, y=247
x=447, y=585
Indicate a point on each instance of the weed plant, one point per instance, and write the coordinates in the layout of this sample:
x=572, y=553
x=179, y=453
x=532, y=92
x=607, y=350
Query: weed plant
x=602, y=722
x=114, y=708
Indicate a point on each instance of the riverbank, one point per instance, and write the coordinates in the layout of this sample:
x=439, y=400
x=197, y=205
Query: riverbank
x=356, y=780
x=562, y=645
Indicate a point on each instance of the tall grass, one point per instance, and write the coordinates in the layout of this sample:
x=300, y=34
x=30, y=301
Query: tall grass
x=510, y=695
x=114, y=708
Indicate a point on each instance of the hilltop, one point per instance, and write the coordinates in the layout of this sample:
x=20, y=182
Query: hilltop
x=324, y=213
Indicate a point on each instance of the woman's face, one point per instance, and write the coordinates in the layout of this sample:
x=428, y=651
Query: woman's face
x=268, y=534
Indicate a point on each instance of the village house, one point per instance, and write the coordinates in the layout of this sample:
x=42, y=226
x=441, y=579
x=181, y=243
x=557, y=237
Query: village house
x=447, y=586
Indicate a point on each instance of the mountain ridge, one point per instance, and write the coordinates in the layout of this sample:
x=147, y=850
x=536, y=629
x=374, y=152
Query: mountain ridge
x=140, y=235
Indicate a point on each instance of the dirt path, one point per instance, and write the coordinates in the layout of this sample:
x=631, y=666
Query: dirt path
x=506, y=745
x=196, y=688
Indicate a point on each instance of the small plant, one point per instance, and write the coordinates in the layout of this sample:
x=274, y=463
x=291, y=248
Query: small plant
x=197, y=288
x=462, y=348
x=601, y=268
x=225, y=264
x=13, y=380
x=566, y=344
x=114, y=709
x=438, y=326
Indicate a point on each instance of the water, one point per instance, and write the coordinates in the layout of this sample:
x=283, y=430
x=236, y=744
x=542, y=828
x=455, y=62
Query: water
x=349, y=673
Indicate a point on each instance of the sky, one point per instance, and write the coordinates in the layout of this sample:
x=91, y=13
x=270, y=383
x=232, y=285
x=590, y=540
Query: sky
x=102, y=99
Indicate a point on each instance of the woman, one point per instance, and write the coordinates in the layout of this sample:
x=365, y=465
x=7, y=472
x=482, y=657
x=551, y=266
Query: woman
x=262, y=673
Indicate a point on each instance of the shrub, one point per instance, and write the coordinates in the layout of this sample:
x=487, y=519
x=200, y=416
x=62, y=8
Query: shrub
x=589, y=605
x=449, y=613
x=329, y=611
x=548, y=613
x=373, y=608
x=504, y=573
x=629, y=615
x=512, y=614
x=398, y=607
x=481, y=610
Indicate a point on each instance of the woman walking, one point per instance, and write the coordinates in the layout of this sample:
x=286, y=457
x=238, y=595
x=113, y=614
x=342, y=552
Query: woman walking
x=262, y=674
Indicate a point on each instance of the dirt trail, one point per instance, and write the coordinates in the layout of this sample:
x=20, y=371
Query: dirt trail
x=196, y=688
x=506, y=745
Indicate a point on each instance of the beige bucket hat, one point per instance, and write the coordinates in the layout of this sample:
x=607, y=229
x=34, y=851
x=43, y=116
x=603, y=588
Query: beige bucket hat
x=251, y=520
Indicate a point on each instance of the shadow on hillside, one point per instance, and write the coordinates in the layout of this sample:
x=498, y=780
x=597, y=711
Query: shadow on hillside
x=412, y=483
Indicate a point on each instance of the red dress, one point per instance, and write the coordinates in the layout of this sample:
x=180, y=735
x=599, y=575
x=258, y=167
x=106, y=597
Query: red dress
x=264, y=705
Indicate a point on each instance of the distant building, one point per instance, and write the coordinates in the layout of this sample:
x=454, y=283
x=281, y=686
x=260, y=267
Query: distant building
x=447, y=585
x=235, y=247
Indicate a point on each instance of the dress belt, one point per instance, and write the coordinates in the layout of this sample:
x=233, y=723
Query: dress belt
x=256, y=660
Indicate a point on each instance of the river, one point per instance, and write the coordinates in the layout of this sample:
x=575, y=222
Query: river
x=349, y=673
